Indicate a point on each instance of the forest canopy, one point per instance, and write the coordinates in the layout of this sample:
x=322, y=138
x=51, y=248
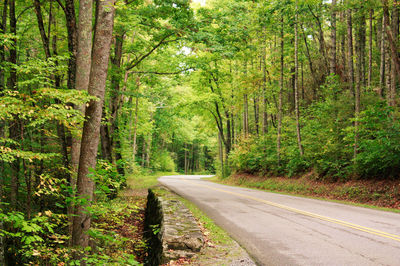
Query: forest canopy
x=92, y=91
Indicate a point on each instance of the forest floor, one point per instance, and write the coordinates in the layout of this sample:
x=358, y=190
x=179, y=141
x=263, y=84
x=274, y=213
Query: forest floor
x=381, y=194
x=219, y=248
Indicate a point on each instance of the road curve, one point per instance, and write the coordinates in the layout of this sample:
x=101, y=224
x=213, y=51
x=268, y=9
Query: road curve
x=286, y=230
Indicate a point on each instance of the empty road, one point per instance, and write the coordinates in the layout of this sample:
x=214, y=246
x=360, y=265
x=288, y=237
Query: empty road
x=286, y=230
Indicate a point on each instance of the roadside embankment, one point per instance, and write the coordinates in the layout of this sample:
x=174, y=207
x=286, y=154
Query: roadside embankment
x=383, y=194
x=171, y=229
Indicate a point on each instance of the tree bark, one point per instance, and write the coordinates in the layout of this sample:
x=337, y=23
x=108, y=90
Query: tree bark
x=296, y=82
x=350, y=50
x=264, y=86
x=2, y=52
x=321, y=39
x=333, y=38
x=44, y=37
x=134, y=148
x=245, y=107
x=115, y=101
x=359, y=60
x=310, y=64
x=91, y=127
x=391, y=37
x=221, y=154
x=371, y=12
x=343, y=47
x=279, y=129
x=79, y=74
x=15, y=125
x=83, y=64
x=382, y=61
x=186, y=160
x=70, y=17
x=394, y=77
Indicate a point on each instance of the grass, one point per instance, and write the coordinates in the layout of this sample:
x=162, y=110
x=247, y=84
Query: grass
x=217, y=234
x=145, y=180
x=355, y=193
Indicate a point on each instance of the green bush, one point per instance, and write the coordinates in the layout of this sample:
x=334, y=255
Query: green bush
x=164, y=162
x=108, y=180
x=379, y=145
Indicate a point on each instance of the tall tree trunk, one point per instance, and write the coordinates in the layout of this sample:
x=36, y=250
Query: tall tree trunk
x=280, y=112
x=91, y=127
x=296, y=81
x=350, y=50
x=256, y=107
x=83, y=64
x=333, y=38
x=371, y=12
x=2, y=52
x=393, y=73
x=136, y=118
x=44, y=37
x=321, y=39
x=186, y=160
x=143, y=152
x=391, y=38
x=221, y=154
x=57, y=83
x=245, y=107
x=112, y=127
x=70, y=18
x=264, y=84
x=382, y=61
x=12, y=86
x=105, y=139
x=343, y=47
x=310, y=64
x=148, y=147
x=359, y=60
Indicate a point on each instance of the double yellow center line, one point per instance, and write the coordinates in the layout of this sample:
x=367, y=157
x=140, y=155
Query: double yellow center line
x=310, y=214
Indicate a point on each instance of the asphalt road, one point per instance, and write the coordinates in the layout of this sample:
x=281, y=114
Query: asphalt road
x=277, y=229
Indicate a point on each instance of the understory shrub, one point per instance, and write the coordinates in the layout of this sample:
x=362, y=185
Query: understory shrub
x=108, y=180
x=328, y=138
x=163, y=161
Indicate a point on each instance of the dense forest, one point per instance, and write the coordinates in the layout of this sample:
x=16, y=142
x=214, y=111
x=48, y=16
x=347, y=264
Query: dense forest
x=94, y=90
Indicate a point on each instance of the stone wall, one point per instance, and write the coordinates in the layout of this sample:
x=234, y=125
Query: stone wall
x=171, y=229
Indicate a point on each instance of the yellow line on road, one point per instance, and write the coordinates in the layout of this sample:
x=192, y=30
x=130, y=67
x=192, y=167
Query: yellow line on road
x=321, y=217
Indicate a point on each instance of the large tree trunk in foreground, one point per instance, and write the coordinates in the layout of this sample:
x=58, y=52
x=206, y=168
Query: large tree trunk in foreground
x=83, y=63
x=91, y=127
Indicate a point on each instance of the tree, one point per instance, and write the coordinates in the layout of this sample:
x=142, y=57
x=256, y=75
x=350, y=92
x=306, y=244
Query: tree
x=93, y=113
x=296, y=81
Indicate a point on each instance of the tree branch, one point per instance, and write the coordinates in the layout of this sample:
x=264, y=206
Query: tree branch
x=61, y=5
x=133, y=64
x=161, y=73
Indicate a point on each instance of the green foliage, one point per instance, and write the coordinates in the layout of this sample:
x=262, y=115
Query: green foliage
x=379, y=145
x=108, y=180
x=163, y=161
x=36, y=239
